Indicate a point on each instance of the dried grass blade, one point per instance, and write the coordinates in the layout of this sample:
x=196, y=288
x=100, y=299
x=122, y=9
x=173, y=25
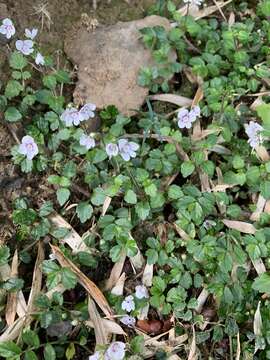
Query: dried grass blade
x=259, y=208
x=173, y=99
x=100, y=331
x=89, y=286
x=12, y=297
x=241, y=226
x=115, y=273
x=192, y=352
x=106, y=205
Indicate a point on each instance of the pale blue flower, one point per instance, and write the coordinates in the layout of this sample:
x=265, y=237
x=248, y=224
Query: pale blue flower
x=71, y=116
x=128, y=304
x=25, y=46
x=87, y=141
x=28, y=147
x=87, y=111
x=127, y=320
x=39, y=60
x=7, y=28
x=253, y=131
x=116, y=351
x=31, y=34
x=95, y=356
x=111, y=150
x=141, y=292
x=193, y=2
x=127, y=149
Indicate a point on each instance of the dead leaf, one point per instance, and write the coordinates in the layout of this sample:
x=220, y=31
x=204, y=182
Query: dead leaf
x=137, y=261
x=153, y=327
x=73, y=239
x=36, y=280
x=198, y=13
x=173, y=99
x=231, y=20
x=13, y=331
x=259, y=266
x=11, y=306
x=89, y=286
x=115, y=273
x=201, y=300
x=147, y=278
x=192, y=352
x=101, y=334
x=198, y=96
x=257, y=324
x=106, y=205
x=262, y=153
x=110, y=326
x=143, y=314
x=118, y=289
x=222, y=187
x=255, y=216
x=241, y=226
x=181, y=232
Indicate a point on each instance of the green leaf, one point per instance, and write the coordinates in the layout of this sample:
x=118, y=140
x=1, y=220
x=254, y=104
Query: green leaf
x=69, y=279
x=17, y=61
x=30, y=355
x=13, y=284
x=142, y=210
x=70, y=169
x=130, y=197
x=13, y=89
x=49, y=266
x=175, y=192
x=9, y=349
x=187, y=168
x=84, y=211
x=265, y=189
x=49, y=353
x=62, y=77
x=46, y=209
x=31, y=338
x=12, y=114
x=152, y=256
x=262, y=283
x=3, y=103
x=4, y=254
x=49, y=81
x=263, y=111
x=70, y=352
x=63, y=195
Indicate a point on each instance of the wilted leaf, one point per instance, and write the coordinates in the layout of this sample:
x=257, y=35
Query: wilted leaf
x=241, y=226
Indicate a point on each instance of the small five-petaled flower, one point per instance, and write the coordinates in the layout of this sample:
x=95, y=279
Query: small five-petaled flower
x=39, y=60
x=7, y=28
x=141, y=292
x=87, y=141
x=128, y=304
x=186, y=118
x=128, y=320
x=253, y=131
x=25, y=46
x=28, y=147
x=73, y=116
x=31, y=34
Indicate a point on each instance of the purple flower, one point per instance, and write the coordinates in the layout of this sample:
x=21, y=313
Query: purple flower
x=87, y=141
x=7, y=28
x=185, y=118
x=195, y=112
x=253, y=131
x=128, y=320
x=141, y=292
x=25, y=46
x=116, y=351
x=28, y=147
x=39, y=60
x=127, y=149
x=111, y=150
x=71, y=117
x=31, y=34
x=87, y=111
x=95, y=356
x=128, y=304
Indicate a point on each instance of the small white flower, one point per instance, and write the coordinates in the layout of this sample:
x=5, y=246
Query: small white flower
x=127, y=149
x=128, y=320
x=116, y=351
x=25, y=46
x=253, y=131
x=87, y=141
x=87, y=111
x=31, y=34
x=28, y=147
x=128, y=304
x=141, y=292
x=39, y=60
x=71, y=116
x=111, y=150
x=7, y=28
x=95, y=356
x=194, y=2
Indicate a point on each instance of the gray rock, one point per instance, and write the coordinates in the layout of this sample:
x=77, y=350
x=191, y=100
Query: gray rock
x=109, y=59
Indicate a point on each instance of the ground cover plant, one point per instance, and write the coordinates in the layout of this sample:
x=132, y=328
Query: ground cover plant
x=167, y=212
